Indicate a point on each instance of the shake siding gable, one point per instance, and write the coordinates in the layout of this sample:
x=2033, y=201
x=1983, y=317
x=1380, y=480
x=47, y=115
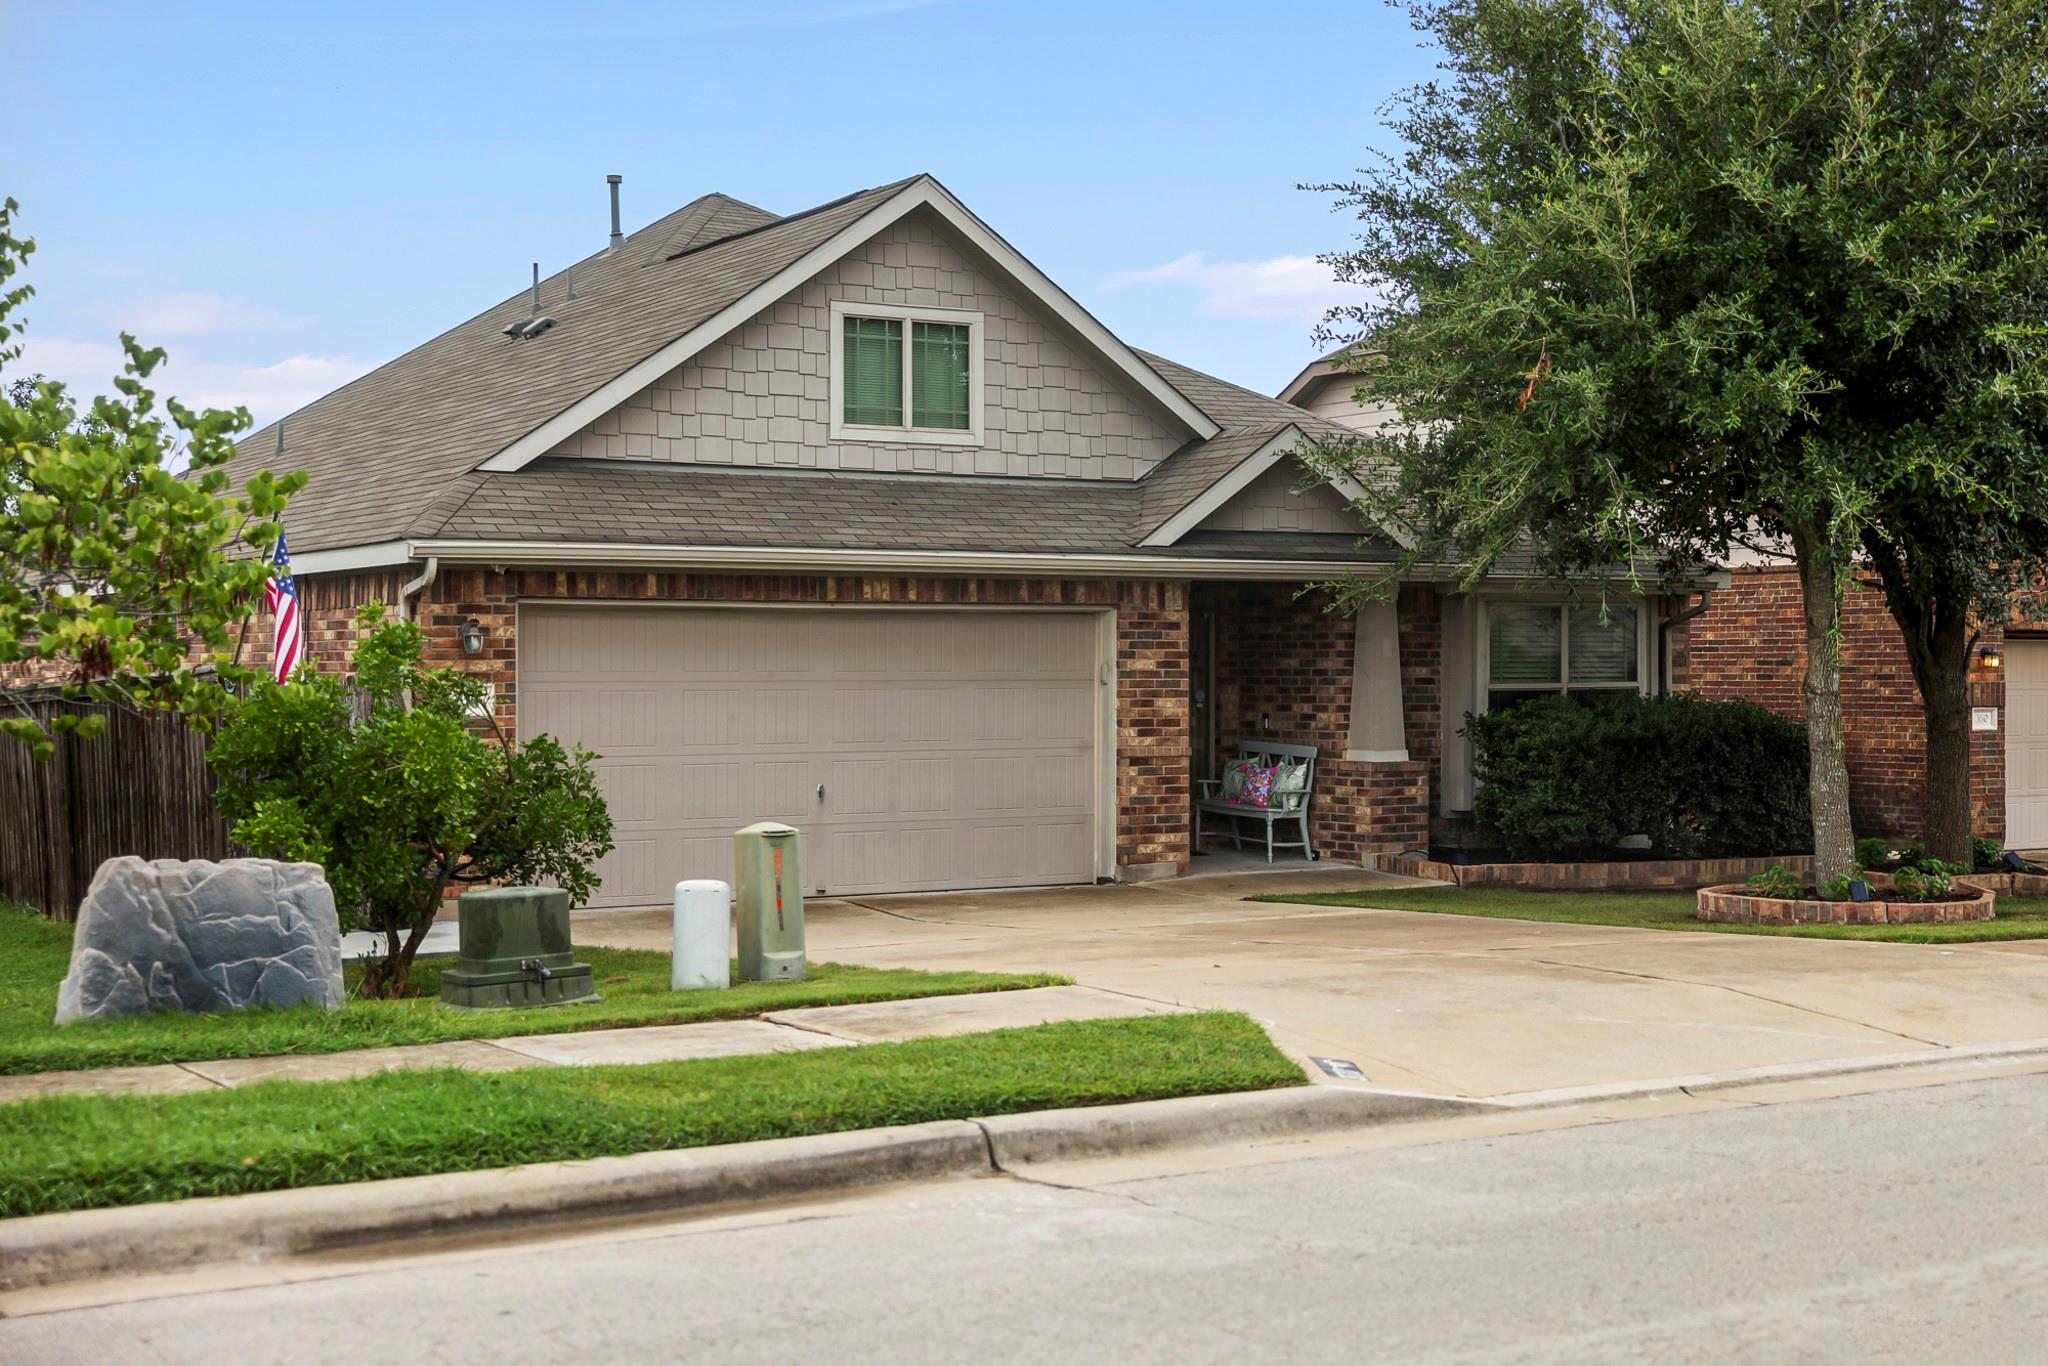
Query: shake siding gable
x=1272, y=502
x=761, y=397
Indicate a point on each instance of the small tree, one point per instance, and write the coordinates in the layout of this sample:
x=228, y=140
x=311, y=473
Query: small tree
x=386, y=784
x=116, y=572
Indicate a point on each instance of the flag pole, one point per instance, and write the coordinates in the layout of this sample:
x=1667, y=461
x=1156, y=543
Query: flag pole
x=243, y=639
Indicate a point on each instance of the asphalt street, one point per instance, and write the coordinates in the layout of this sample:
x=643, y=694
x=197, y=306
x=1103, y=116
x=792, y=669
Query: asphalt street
x=1901, y=1226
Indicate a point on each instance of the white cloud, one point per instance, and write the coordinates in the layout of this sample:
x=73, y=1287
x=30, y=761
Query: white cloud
x=1281, y=287
x=200, y=312
x=268, y=391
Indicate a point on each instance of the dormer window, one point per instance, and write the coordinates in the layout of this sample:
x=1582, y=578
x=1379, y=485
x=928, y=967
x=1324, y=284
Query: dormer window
x=906, y=375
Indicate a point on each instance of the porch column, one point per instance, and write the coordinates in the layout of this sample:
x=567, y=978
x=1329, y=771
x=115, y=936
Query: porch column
x=1378, y=733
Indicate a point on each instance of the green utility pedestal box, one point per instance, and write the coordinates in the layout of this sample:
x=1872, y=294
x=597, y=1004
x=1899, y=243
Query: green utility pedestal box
x=515, y=952
x=768, y=896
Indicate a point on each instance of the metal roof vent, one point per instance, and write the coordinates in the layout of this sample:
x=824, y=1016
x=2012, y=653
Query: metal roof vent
x=536, y=322
x=618, y=238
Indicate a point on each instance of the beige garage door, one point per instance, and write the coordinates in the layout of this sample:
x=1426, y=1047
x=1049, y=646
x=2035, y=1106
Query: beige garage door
x=916, y=750
x=2026, y=744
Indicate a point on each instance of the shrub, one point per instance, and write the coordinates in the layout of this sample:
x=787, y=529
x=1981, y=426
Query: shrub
x=1927, y=880
x=1986, y=852
x=1873, y=853
x=1564, y=778
x=1835, y=888
x=1775, y=881
x=395, y=793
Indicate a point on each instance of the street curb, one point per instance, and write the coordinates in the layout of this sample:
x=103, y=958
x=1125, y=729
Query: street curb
x=1101, y=1131
x=54, y=1249
x=1706, y=1083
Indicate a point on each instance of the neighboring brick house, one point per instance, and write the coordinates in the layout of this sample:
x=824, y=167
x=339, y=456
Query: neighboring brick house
x=1749, y=643
x=854, y=519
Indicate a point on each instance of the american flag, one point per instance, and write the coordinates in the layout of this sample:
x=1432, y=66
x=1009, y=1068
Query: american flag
x=283, y=597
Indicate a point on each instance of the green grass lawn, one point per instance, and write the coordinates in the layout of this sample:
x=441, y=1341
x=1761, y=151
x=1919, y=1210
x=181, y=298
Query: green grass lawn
x=78, y=1152
x=2018, y=917
x=35, y=952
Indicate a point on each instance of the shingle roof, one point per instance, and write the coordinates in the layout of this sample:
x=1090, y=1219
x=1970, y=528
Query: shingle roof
x=589, y=500
x=379, y=449
x=643, y=503
x=1249, y=420
x=395, y=453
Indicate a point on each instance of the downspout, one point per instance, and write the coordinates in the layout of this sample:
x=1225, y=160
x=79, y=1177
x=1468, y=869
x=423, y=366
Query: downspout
x=1664, y=634
x=406, y=605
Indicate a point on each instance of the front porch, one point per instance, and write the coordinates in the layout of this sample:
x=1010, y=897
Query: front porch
x=1267, y=665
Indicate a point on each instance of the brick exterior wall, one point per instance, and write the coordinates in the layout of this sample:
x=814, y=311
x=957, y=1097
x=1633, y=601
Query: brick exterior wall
x=1152, y=832
x=1283, y=675
x=1750, y=644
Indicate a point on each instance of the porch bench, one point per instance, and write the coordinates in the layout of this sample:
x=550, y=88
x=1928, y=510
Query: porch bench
x=1289, y=807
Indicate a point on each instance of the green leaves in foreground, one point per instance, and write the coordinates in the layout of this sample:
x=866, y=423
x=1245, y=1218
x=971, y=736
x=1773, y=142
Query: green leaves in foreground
x=79, y=1152
x=115, y=567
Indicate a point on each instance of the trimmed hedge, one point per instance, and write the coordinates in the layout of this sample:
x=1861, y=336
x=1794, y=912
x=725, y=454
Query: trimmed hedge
x=1560, y=778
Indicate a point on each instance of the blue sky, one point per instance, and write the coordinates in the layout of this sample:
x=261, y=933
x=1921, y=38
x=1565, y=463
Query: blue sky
x=285, y=195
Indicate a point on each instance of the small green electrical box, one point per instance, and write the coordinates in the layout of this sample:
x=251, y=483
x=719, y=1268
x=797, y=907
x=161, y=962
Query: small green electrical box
x=514, y=951
x=768, y=896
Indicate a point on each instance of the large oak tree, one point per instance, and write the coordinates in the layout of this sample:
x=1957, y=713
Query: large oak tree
x=1652, y=277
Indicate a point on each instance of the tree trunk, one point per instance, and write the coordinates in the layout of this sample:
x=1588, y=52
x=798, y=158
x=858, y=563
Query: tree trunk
x=1932, y=609
x=1820, y=583
x=1942, y=672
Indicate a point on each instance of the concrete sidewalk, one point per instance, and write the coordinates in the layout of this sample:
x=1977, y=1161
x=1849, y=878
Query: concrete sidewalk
x=1451, y=1005
x=781, y=1031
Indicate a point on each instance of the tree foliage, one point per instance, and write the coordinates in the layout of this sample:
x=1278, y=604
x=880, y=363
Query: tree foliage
x=116, y=571
x=384, y=782
x=1654, y=277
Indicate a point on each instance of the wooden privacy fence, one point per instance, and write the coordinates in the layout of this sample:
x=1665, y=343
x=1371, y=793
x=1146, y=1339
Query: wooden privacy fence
x=142, y=787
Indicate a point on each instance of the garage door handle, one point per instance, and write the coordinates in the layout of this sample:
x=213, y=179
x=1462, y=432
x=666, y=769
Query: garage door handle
x=821, y=792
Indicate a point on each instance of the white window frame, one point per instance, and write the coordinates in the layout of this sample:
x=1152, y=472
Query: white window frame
x=1483, y=653
x=842, y=430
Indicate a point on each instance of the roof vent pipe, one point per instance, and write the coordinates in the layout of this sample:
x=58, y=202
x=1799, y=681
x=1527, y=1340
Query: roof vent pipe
x=536, y=289
x=618, y=238
x=569, y=278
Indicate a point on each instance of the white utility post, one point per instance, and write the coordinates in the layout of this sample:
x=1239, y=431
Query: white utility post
x=703, y=938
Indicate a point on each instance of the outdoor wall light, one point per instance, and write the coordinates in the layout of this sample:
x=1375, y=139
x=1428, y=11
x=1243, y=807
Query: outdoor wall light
x=472, y=637
x=1991, y=657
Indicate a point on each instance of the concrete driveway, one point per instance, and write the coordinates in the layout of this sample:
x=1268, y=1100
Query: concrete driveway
x=1442, y=1003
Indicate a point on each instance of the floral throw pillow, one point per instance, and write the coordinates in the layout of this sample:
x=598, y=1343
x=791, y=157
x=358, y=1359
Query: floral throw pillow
x=1257, y=789
x=1290, y=780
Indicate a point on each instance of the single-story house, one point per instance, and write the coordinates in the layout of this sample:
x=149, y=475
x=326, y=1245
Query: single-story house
x=852, y=518
x=1750, y=643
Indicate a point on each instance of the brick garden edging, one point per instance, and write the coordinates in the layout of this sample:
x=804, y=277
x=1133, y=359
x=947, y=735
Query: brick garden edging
x=2012, y=884
x=1615, y=875
x=1737, y=905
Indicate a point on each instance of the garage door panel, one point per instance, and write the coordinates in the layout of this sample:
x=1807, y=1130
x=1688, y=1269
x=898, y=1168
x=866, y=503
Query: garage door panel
x=2026, y=744
x=608, y=721
x=956, y=749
